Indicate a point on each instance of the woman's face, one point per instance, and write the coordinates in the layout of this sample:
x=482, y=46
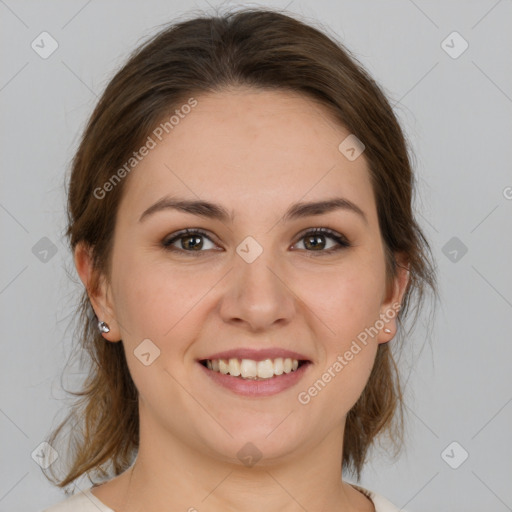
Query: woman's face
x=254, y=280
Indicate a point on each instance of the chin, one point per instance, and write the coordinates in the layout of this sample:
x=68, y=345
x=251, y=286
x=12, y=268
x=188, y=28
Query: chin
x=253, y=445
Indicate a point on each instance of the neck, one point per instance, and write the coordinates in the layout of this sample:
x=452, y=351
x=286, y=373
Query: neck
x=178, y=476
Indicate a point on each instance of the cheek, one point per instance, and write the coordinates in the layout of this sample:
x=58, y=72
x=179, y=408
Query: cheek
x=351, y=373
x=156, y=305
x=347, y=304
x=345, y=300
x=164, y=305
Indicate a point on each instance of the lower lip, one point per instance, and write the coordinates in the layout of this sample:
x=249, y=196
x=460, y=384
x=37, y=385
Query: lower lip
x=257, y=388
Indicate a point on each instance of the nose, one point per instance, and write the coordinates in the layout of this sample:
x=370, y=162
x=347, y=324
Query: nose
x=257, y=295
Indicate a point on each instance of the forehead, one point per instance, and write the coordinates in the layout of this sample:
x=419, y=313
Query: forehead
x=247, y=149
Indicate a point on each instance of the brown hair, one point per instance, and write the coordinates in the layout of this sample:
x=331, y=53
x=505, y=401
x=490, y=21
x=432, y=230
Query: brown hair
x=263, y=49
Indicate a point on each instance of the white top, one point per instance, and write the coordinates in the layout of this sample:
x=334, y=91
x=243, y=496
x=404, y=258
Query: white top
x=85, y=501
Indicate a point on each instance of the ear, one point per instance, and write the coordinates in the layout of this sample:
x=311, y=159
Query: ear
x=393, y=301
x=97, y=289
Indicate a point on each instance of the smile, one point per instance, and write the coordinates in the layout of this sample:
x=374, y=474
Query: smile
x=251, y=369
x=255, y=379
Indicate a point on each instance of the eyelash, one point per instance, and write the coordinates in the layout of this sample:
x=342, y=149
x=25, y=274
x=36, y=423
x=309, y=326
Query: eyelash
x=343, y=242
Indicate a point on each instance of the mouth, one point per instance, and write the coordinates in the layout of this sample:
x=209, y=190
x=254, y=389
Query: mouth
x=254, y=379
x=250, y=369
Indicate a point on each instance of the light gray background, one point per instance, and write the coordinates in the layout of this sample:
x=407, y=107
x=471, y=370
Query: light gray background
x=457, y=115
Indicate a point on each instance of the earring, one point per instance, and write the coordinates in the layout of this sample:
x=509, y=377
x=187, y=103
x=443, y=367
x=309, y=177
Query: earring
x=103, y=327
x=387, y=330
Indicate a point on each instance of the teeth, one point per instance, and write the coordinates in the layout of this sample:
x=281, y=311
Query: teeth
x=265, y=369
x=278, y=366
x=223, y=366
x=250, y=369
x=234, y=367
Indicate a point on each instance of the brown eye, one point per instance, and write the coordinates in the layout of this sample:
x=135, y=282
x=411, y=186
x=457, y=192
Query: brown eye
x=189, y=241
x=193, y=241
x=314, y=241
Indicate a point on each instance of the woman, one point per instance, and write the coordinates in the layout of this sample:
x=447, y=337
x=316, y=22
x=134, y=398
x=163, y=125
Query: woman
x=240, y=217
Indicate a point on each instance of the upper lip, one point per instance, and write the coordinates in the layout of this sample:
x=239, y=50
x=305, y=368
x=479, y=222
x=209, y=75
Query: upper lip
x=257, y=355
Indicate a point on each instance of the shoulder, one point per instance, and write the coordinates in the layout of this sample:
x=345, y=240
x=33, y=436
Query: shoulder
x=82, y=501
x=380, y=503
x=85, y=501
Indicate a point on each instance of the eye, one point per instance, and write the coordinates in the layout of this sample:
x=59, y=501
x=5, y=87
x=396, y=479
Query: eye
x=191, y=241
x=313, y=239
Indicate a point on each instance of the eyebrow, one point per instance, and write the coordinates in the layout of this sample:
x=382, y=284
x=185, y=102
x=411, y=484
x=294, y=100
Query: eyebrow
x=218, y=212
